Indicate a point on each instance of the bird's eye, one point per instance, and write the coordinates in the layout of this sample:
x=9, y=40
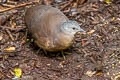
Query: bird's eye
x=73, y=28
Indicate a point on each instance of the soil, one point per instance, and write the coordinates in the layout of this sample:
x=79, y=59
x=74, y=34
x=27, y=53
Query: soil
x=93, y=56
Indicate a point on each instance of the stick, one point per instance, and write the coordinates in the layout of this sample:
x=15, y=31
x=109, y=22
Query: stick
x=10, y=35
x=66, y=5
x=17, y=6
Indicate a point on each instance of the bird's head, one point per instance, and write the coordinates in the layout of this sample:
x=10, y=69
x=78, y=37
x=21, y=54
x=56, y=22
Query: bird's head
x=71, y=28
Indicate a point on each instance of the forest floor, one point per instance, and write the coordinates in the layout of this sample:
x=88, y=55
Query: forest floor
x=94, y=56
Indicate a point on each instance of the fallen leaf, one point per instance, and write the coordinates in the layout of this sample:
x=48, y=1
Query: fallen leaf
x=90, y=73
x=9, y=49
x=108, y=1
x=90, y=32
x=18, y=72
x=1, y=37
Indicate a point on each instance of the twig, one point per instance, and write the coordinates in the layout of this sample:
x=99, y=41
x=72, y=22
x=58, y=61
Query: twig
x=9, y=33
x=66, y=5
x=61, y=3
x=17, y=6
x=7, y=5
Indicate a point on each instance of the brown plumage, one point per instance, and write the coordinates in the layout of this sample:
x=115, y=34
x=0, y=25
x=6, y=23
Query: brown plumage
x=50, y=27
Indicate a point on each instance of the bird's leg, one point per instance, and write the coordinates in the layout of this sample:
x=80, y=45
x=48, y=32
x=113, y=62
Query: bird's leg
x=62, y=52
x=38, y=51
x=45, y=51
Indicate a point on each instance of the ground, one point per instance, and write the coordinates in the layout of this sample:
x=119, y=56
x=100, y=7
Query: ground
x=93, y=56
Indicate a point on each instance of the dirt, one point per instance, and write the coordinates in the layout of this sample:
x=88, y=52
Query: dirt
x=93, y=56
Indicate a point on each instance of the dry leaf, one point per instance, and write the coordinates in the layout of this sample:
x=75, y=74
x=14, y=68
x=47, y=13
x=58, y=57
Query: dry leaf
x=90, y=73
x=90, y=32
x=9, y=49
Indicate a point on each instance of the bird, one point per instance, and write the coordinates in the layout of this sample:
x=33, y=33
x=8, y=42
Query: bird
x=50, y=28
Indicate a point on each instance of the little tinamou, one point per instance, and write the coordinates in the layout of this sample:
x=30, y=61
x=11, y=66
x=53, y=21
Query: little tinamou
x=50, y=28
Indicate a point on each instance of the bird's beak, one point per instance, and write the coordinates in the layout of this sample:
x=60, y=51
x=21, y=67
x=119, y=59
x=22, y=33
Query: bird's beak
x=81, y=30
